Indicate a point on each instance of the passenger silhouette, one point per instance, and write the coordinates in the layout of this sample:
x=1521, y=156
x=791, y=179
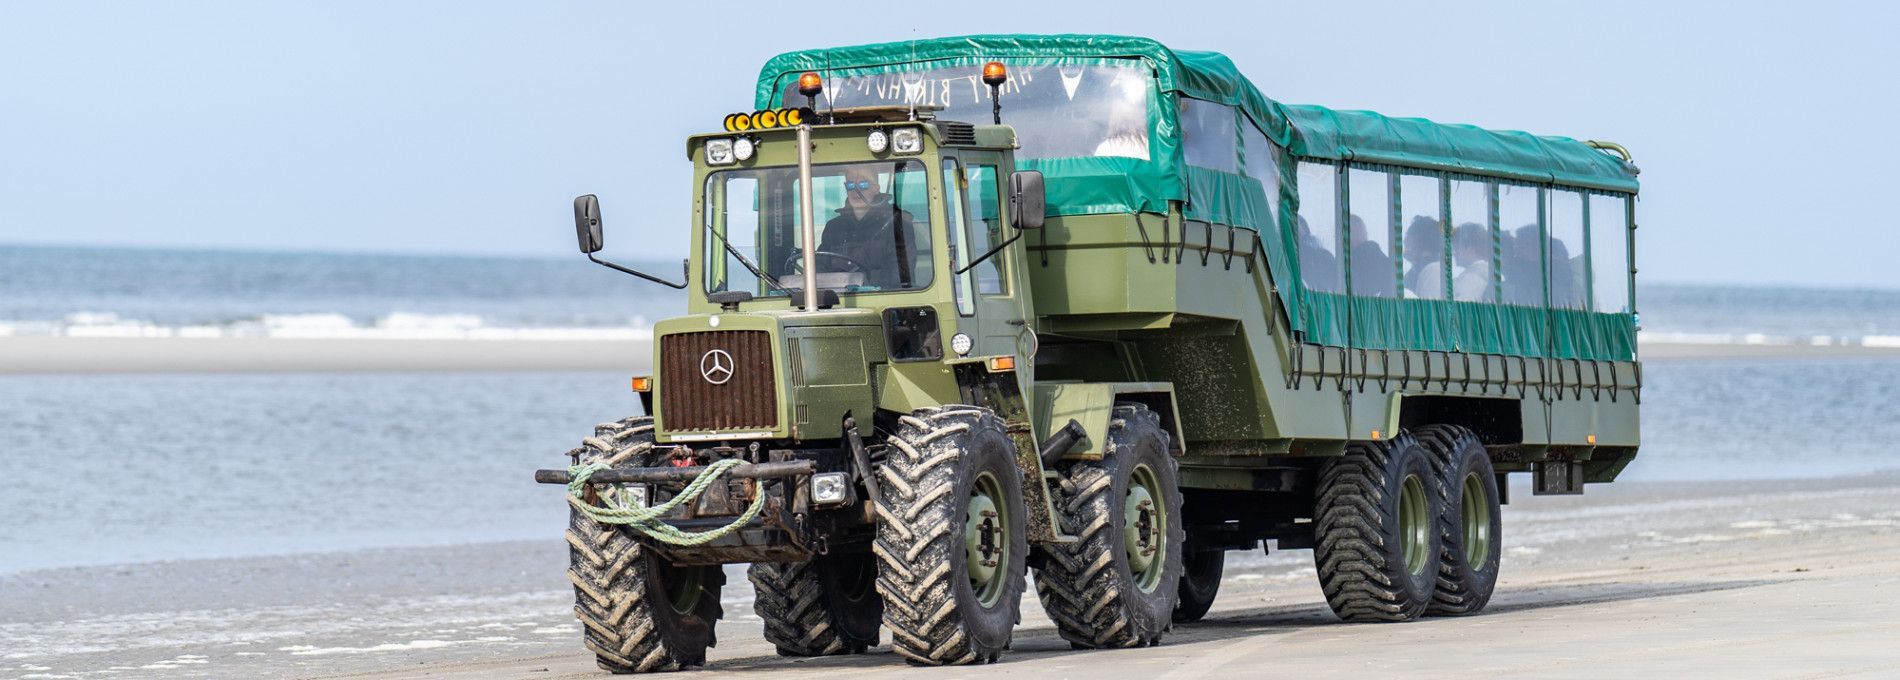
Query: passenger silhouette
x=1424, y=258
x=1372, y=272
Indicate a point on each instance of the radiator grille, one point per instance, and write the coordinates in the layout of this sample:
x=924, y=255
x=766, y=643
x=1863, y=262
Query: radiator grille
x=688, y=401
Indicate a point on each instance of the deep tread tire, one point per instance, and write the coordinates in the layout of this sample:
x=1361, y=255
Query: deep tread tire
x=1359, y=549
x=1088, y=587
x=1463, y=587
x=935, y=458
x=828, y=605
x=1200, y=582
x=620, y=589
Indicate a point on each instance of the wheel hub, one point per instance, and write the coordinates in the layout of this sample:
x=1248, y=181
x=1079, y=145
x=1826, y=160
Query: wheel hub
x=1414, y=525
x=1477, y=521
x=1144, y=528
x=983, y=541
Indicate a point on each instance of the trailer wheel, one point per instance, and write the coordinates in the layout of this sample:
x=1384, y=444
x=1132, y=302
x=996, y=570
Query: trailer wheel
x=1117, y=584
x=951, y=542
x=639, y=613
x=1200, y=581
x=828, y=605
x=1377, y=547
x=1470, y=525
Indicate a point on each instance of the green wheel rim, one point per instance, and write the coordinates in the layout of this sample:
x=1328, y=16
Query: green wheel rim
x=986, y=539
x=1477, y=520
x=1414, y=525
x=1145, y=528
x=682, y=586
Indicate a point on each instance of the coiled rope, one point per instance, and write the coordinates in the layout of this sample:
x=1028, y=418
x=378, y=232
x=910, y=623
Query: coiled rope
x=647, y=520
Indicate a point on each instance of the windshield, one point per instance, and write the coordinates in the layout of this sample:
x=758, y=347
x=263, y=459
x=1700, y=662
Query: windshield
x=873, y=228
x=1066, y=111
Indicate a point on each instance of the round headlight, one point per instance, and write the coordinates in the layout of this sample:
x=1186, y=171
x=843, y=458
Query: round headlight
x=719, y=151
x=742, y=148
x=877, y=141
x=907, y=140
x=961, y=343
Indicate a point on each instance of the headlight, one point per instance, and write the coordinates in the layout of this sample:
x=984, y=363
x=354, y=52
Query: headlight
x=877, y=141
x=719, y=151
x=961, y=344
x=829, y=488
x=742, y=148
x=907, y=140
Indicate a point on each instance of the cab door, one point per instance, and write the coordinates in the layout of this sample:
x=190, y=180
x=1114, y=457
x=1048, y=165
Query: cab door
x=993, y=308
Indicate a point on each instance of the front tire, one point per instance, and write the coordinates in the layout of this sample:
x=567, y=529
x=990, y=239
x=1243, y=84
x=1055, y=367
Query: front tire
x=1117, y=584
x=1377, y=539
x=828, y=605
x=1470, y=525
x=639, y=613
x=951, y=542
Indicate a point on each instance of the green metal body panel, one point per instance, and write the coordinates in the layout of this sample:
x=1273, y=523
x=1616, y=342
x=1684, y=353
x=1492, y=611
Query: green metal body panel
x=1092, y=405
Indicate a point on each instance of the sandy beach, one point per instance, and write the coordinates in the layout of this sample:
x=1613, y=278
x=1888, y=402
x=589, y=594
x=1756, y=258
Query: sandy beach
x=1646, y=578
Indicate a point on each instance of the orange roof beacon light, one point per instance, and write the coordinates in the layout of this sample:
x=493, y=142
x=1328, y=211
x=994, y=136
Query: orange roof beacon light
x=994, y=75
x=809, y=84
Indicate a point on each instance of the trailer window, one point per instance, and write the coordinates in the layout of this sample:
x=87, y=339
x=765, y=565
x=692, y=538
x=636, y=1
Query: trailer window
x=1609, y=252
x=1566, y=254
x=1369, y=234
x=1520, y=246
x=1208, y=138
x=1262, y=163
x=1422, y=247
x=1065, y=111
x=1473, y=250
x=1317, y=229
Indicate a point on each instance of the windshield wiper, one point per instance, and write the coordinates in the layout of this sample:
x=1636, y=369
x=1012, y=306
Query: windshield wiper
x=767, y=278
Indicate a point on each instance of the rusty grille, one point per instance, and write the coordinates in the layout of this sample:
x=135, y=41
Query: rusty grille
x=688, y=401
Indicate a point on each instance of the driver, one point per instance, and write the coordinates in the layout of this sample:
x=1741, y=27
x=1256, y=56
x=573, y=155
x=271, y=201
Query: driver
x=871, y=231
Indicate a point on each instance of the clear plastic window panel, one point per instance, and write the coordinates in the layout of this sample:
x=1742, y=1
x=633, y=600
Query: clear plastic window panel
x=1473, y=243
x=1208, y=135
x=986, y=227
x=1369, y=234
x=1422, y=244
x=954, y=228
x=1262, y=164
x=1066, y=111
x=1566, y=256
x=1609, y=252
x=1520, y=246
x=1317, y=230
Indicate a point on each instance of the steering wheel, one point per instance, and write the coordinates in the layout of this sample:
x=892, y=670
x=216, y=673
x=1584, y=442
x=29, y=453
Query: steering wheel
x=796, y=263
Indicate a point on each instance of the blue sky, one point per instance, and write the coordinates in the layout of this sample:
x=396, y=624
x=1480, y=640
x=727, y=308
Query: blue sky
x=466, y=128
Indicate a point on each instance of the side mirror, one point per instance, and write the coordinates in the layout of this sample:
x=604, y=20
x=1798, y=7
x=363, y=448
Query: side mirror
x=1026, y=199
x=587, y=223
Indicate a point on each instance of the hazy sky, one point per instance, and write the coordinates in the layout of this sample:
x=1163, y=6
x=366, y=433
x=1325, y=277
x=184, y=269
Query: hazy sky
x=1765, y=133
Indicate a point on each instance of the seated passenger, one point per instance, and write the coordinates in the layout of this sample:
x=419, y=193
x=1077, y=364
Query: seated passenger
x=1523, y=266
x=1471, y=251
x=869, y=230
x=1424, y=258
x=1372, y=273
x=1127, y=135
x=1319, y=267
x=1566, y=277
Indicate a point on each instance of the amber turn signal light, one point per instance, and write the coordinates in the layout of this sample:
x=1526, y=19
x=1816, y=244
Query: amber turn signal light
x=642, y=384
x=1002, y=364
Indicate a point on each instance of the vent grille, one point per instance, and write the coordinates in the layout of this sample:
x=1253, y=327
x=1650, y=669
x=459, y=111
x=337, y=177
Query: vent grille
x=688, y=401
x=955, y=133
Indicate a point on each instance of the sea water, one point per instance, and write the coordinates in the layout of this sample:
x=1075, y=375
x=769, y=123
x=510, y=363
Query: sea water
x=103, y=469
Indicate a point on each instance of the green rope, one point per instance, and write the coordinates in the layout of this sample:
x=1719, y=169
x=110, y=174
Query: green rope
x=647, y=520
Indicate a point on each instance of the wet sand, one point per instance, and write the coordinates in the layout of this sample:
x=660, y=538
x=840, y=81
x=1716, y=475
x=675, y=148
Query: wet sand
x=56, y=355
x=1755, y=579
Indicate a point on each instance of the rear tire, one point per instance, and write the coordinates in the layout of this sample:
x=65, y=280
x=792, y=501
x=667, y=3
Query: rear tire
x=1200, y=581
x=638, y=612
x=951, y=543
x=1470, y=524
x=1377, y=538
x=1117, y=584
x=828, y=605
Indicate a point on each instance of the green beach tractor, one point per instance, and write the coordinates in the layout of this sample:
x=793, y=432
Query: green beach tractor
x=1086, y=312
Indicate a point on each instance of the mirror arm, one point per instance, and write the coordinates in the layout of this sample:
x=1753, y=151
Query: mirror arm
x=624, y=270
x=993, y=251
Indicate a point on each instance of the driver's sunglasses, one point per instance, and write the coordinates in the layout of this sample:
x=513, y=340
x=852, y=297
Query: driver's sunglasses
x=857, y=186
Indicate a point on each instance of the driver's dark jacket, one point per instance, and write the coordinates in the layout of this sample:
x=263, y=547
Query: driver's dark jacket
x=878, y=242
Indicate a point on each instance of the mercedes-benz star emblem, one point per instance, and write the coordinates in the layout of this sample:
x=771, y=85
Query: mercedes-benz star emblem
x=716, y=366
